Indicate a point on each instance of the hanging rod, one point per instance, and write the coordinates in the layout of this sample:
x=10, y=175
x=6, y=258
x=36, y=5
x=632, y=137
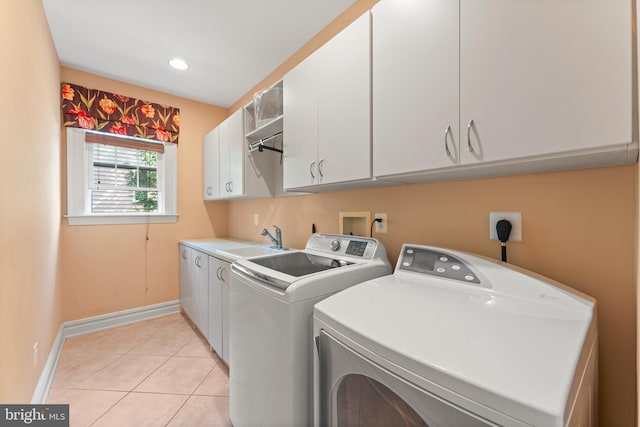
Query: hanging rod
x=259, y=145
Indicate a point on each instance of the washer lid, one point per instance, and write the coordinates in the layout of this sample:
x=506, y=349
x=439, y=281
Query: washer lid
x=511, y=353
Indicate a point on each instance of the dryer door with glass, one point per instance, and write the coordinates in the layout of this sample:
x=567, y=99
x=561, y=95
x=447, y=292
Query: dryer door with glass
x=356, y=391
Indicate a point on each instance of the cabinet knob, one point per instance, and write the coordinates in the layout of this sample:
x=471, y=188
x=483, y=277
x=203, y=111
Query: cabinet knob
x=469, y=126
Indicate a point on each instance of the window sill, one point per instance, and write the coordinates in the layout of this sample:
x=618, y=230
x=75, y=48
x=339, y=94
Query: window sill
x=105, y=219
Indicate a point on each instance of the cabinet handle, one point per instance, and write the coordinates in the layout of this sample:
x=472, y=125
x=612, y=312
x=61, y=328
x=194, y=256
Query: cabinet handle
x=221, y=271
x=184, y=254
x=320, y=167
x=446, y=143
x=311, y=169
x=197, y=262
x=230, y=186
x=218, y=273
x=469, y=126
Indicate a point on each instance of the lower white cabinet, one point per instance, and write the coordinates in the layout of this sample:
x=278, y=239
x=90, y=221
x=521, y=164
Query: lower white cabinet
x=204, y=296
x=219, y=307
x=194, y=287
x=186, y=292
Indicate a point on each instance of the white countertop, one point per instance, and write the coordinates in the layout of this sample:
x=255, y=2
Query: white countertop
x=217, y=247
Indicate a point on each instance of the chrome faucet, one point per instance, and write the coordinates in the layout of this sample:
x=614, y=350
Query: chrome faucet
x=277, y=241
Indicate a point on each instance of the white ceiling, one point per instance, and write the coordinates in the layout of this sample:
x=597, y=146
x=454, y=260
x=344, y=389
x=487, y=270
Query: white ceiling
x=230, y=45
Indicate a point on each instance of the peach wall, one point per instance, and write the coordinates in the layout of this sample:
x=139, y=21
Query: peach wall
x=109, y=268
x=30, y=295
x=579, y=228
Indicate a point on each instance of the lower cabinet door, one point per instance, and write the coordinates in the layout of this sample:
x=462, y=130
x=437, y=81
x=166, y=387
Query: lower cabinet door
x=186, y=294
x=225, y=312
x=217, y=273
x=200, y=278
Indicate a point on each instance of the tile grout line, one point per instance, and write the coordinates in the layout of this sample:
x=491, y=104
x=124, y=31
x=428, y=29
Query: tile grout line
x=109, y=408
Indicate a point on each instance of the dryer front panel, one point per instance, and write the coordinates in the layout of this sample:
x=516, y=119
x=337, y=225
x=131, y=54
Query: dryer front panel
x=356, y=391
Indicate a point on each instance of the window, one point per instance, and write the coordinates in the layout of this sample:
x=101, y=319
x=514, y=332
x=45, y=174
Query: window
x=117, y=180
x=123, y=180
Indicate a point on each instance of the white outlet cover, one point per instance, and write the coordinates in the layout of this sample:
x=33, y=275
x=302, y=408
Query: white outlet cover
x=515, y=218
x=381, y=227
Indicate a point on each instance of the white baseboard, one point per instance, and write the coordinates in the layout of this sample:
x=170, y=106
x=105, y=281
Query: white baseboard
x=119, y=318
x=41, y=392
x=94, y=324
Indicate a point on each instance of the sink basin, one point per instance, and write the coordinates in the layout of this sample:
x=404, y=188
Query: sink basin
x=249, y=251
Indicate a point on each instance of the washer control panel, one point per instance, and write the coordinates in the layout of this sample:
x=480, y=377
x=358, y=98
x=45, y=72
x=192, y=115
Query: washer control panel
x=360, y=247
x=436, y=263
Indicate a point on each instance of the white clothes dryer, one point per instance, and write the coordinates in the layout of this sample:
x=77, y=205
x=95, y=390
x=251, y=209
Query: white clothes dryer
x=271, y=310
x=453, y=340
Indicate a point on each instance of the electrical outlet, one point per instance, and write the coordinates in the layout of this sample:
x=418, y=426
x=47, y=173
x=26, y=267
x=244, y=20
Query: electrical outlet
x=35, y=355
x=515, y=218
x=381, y=227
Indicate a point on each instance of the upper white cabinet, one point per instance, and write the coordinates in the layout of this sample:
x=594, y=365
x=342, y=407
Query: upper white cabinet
x=231, y=155
x=501, y=86
x=415, y=85
x=239, y=173
x=544, y=76
x=211, y=160
x=300, y=107
x=327, y=112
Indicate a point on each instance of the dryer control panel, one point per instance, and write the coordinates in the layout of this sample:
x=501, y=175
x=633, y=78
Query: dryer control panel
x=436, y=263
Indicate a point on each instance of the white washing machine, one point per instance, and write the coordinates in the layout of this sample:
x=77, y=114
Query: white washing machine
x=452, y=339
x=271, y=327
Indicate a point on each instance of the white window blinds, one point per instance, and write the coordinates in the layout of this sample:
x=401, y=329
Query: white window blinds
x=123, y=175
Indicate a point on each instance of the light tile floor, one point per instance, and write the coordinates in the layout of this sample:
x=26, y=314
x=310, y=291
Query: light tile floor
x=158, y=372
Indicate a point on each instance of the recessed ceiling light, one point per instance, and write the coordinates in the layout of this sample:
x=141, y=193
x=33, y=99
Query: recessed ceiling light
x=178, y=64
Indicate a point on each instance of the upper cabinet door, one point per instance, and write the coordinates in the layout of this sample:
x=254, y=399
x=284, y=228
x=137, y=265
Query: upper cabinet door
x=232, y=155
x=236, y=153
x=300, y=112
x=544, y=76
x=211, y=162
x=415, y=85
x=344, y=104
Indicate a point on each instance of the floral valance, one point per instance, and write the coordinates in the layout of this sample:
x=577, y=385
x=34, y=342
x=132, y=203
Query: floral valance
x=110, y=113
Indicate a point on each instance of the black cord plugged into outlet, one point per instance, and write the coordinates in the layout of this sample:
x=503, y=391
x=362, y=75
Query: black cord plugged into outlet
x=372, y=223
x=503, y=228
